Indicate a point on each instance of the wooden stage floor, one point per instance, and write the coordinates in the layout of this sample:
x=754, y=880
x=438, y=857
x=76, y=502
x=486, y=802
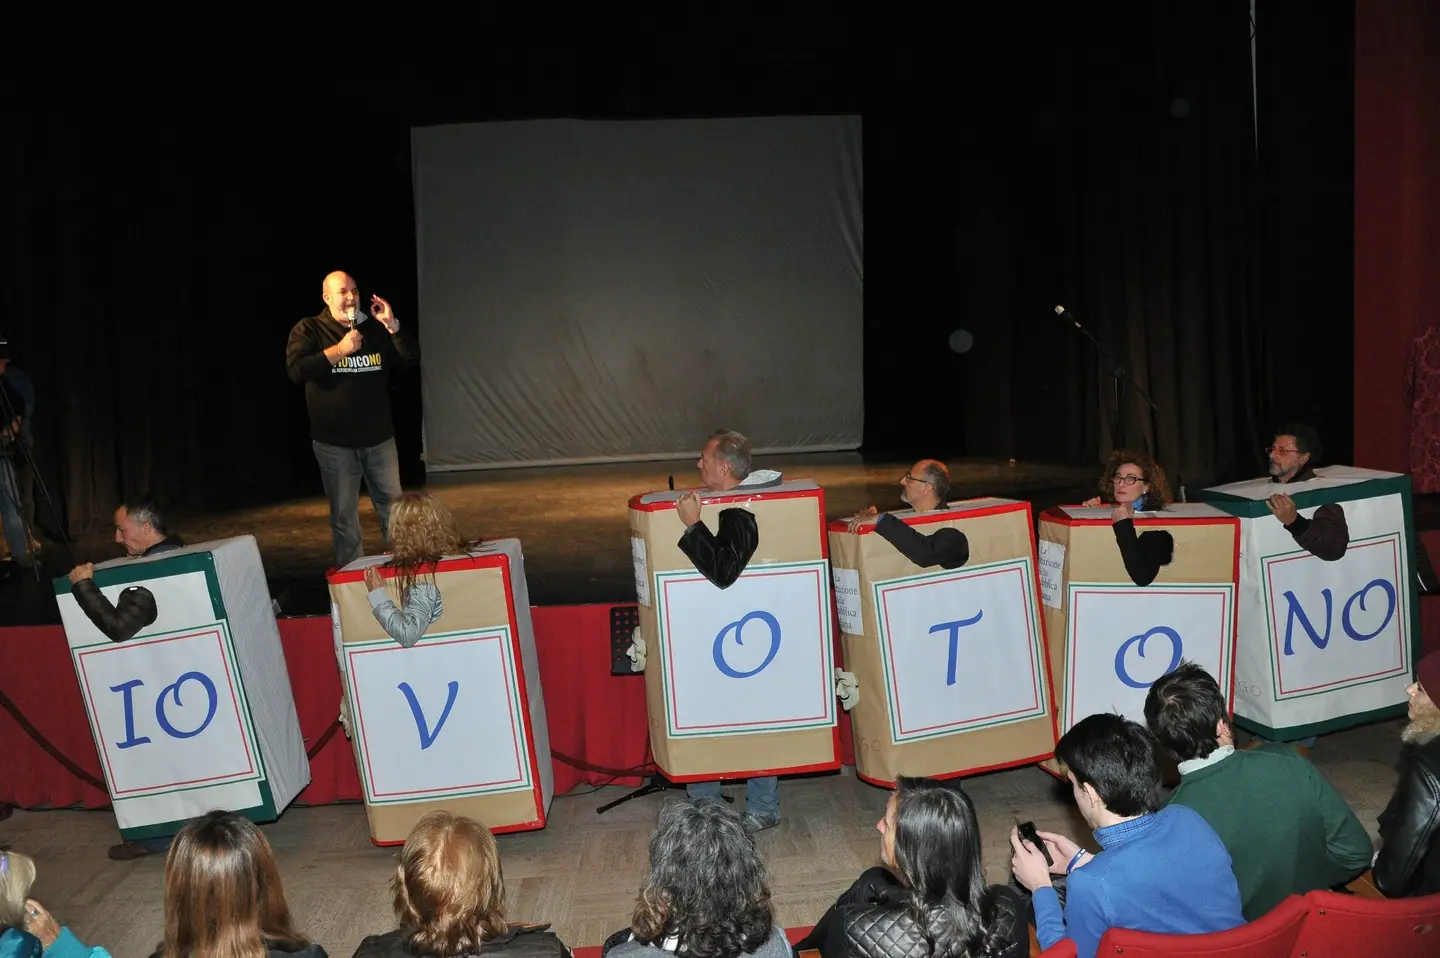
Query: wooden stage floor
x=571, y=520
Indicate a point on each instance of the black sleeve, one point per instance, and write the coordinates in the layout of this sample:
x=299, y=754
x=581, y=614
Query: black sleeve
x=1326, y=535
x=947, y=548
x=304, y=358
x=721, y=558
x=1408, y=826
x=136, y=609
x=406, y=346
x=1145, y=554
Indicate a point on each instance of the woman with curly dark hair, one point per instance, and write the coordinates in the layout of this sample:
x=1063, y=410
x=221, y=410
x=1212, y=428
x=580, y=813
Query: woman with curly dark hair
x=930, y=899
x=1134, y=482
x=707, y=896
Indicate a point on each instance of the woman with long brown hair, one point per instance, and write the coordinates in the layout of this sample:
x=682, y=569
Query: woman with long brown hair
x=1134, y=482
x=450, y=899
x=422, y=532
x=223, y=897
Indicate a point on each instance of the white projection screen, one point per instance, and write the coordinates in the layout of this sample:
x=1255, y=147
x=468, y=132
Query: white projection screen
x=597, y=291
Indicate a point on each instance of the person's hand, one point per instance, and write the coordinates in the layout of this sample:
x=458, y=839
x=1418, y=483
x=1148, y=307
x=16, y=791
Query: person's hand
x=85, y=570
x=373, y=580
x=1283, y=508
x=1122, y=512
x=688, y=508
x=1091, y=503
x=40, y=923
x=1062, y=849
x=380, y=309
x=351, y=342
x=861, y=518
x=1027, y=863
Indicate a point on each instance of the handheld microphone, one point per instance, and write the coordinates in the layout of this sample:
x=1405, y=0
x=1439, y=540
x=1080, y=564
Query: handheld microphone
x=1063, y=314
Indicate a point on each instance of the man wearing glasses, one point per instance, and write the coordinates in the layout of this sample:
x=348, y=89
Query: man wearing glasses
x=1326, y=534
x=923, y=489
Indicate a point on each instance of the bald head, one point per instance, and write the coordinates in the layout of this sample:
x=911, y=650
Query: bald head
x=926, y=485
x=341, y=295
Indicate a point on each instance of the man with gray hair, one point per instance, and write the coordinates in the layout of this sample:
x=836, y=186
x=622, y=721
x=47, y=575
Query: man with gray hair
x=140, y=528
x=924, y=488
x=721, y=557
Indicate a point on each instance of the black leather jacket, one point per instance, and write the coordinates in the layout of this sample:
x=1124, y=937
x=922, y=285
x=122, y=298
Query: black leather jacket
x=1409, y=861
x=871, y=920
x=721, y=558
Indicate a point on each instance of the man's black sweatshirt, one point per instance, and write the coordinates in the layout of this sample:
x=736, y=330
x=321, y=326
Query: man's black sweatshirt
x=349, y=403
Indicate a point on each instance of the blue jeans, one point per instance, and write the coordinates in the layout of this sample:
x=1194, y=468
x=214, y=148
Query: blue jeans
x=762, y=795
x=12, y=509
x=341, y=469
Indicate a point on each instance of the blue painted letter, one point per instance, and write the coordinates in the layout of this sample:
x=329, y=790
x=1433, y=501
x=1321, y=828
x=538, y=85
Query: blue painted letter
x=1389, y=591
x=1296, y=610
x=174, y=689
x=130, y=740
x=427, y=737
x=739, y=626
x=955, y=628
x=1176, y=653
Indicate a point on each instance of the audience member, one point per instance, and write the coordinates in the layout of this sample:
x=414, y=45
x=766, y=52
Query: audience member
x=450, y=899
x=706, y=896
x=1161, y=869
x=1286, y=828
x=27, y=929
x=223, y=895
x=929, y=900
x=1409, y=860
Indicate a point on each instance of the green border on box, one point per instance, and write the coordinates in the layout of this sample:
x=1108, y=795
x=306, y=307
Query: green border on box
x=1243, y=508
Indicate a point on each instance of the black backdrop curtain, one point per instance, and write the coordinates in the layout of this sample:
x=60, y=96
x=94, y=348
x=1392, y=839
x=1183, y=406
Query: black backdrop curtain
x=1123, y=188
x=157, y=264
x=158, y=246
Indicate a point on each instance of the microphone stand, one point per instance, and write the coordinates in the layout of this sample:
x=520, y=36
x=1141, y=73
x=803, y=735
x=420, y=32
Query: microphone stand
x=1119, y=375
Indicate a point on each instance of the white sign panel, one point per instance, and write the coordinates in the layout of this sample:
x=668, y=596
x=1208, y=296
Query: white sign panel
x=1052, y=572
x=1122, y=638
x=642, y=570
x=961, y=650
x=847, y=600
x=439, y=720
x=1324, y=641
x=756, y=657
x=168, y=712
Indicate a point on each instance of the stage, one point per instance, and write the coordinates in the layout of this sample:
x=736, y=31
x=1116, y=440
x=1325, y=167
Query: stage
x=571, y=521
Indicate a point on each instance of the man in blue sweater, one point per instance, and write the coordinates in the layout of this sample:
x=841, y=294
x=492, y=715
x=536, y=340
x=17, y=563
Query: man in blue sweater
x=1162, y=871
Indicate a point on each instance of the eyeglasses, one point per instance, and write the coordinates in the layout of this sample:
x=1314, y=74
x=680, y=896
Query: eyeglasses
x=909, y=478
x=1269, y=450
x=1120, y=477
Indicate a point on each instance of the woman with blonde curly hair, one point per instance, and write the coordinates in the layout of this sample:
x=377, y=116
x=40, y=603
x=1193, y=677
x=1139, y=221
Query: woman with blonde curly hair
x=1134, y=482
x=450, y=899
x=422, y=532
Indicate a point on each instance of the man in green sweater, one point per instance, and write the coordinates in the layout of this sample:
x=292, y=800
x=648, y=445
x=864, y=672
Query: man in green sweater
x=1287, y=830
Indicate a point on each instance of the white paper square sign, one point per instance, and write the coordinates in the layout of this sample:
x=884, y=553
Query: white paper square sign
x=439, y=720
x=756, y=657
x=961, y=650
x=168, y=712
x=1336, y=625
x=1122, y=638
